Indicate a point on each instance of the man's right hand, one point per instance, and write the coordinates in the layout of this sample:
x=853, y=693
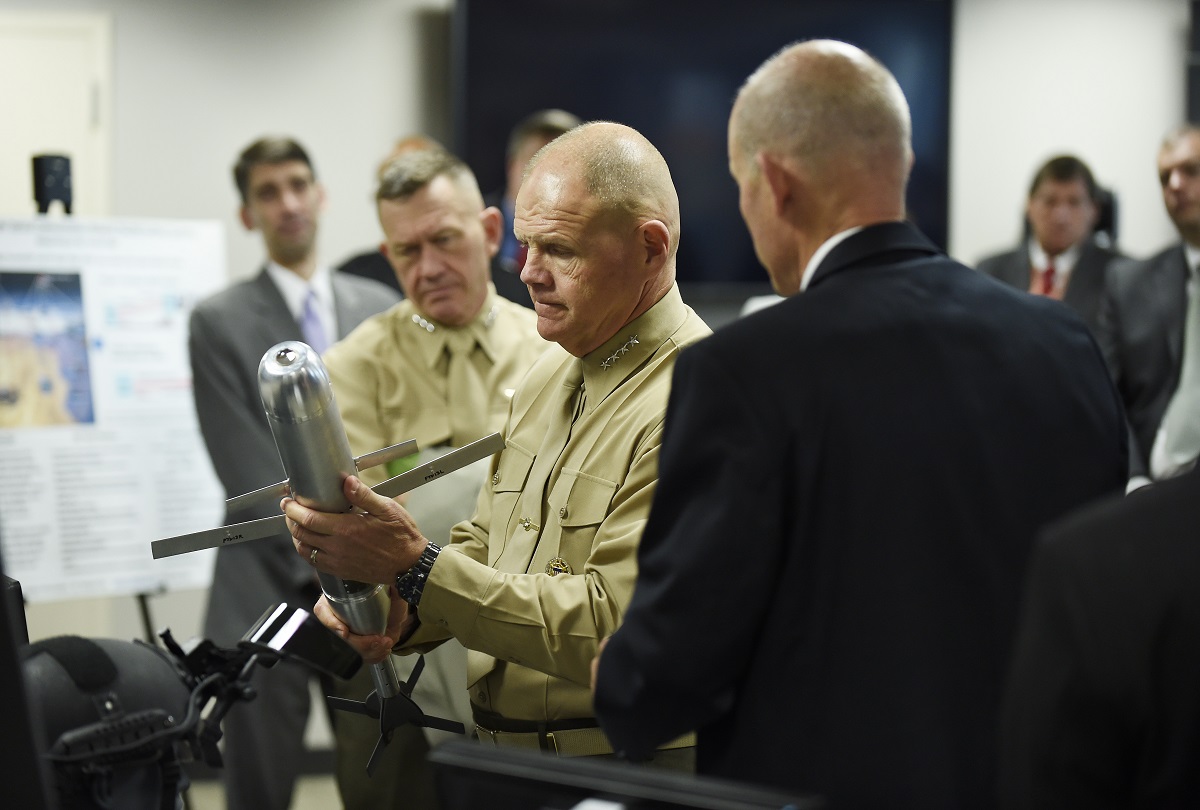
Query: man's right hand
x=372, y=648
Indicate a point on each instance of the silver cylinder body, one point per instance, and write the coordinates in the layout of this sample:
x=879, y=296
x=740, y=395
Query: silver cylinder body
x=308, y=432
x=306, y=425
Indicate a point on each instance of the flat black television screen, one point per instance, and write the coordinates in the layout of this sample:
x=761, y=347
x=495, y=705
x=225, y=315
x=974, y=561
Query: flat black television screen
x=670, y=69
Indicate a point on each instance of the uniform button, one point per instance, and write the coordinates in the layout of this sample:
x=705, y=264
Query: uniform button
x=495, y=478
x=562, y=511
x=443, y=623
x=481, y=696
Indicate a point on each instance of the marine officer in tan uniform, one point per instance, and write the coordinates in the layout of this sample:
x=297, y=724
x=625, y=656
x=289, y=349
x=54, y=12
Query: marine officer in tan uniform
x=546, y=566
x=439, y=367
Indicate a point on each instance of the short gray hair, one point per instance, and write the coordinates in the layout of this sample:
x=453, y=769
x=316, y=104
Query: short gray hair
x=821, y=98
x=409, y=172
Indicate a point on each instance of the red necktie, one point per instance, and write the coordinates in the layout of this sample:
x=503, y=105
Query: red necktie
x=1048, y=278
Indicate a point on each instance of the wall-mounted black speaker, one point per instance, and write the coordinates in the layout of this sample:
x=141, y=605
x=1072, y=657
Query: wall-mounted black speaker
x=52, y=181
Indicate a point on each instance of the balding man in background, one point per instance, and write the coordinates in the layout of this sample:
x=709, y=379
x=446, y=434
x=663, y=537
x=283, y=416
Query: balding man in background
x=851, y=479
x=1149, y=327
x=544, y=569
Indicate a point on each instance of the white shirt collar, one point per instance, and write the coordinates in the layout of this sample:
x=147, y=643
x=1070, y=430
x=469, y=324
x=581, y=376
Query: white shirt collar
x=823, y=251
x=295, y=290
x=1064, y=262
x=1192, y=255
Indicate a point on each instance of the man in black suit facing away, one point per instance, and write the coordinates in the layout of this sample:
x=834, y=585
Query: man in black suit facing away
x=1146, y=331
x=1061, y=257
x=851, y=480
x=1102, y=708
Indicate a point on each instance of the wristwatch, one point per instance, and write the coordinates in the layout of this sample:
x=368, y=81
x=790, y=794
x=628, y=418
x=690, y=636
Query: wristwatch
x=411, y=583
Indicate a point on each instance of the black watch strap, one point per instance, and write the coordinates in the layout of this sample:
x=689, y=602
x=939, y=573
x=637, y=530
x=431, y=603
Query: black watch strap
x=411, y=584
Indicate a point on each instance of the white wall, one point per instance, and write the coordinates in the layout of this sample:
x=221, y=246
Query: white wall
x=1103, y=79
x=195, y=81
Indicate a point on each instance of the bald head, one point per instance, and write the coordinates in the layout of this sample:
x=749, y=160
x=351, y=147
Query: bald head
x=829, y=107
x=621, y=170
x=599, y=215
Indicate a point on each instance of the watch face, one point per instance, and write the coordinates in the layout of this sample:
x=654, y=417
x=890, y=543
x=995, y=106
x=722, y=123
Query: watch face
x=411, y=583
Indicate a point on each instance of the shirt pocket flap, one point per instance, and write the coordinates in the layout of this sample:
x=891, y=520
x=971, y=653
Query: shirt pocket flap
x=512, y=470
x=587, y=500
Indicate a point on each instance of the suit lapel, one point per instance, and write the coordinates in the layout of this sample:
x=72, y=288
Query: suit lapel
x=345, y=303
x=886, y=242
x=273, y=320
x=1017, y=272
x=1171, y=287
x=1087, y=280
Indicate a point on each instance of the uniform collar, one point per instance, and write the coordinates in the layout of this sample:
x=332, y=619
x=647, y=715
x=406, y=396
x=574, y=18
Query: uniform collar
x=432, y=337
x=628, y=350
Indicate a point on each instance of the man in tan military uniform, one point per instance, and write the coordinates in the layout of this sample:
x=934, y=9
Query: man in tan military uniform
x=439, y=367
x=544, y=569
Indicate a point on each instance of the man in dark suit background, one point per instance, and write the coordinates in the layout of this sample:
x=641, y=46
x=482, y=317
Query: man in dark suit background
x=1143, y=328
x=851, y=480
x=529, y=135
x=1102, y=708
x=229, y=333
x=1061, y=257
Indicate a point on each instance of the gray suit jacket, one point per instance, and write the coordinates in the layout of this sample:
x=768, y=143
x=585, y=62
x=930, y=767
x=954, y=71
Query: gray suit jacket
x=228, y=334
x=1085, y=290
x=1140, y=333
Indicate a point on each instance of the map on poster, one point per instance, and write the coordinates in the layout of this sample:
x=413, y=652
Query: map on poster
x=100, y=450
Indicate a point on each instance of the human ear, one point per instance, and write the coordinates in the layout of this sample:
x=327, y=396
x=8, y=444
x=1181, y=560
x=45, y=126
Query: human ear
x=656, y=242
x=493, y=225
x=779, y=180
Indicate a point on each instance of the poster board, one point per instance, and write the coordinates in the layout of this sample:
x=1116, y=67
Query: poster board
x=100, y=449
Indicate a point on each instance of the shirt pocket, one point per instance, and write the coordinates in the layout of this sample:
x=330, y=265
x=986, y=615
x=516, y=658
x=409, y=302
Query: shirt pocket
x=508, y=482
x=580, y=503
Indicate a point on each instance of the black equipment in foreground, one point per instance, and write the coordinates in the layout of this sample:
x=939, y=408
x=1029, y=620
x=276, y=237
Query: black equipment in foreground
x=470, y=776
x=118, y=719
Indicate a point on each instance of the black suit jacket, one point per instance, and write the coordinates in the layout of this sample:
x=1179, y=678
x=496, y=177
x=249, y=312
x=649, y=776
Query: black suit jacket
x=1103, y=705
x=849, y=485
x=1140, y=333
x=1085, y=286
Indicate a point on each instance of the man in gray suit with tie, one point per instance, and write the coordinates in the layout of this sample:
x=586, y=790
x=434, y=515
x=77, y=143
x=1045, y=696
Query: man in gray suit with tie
x=294, y=297
x=1150, y=322
x=1061, y=257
